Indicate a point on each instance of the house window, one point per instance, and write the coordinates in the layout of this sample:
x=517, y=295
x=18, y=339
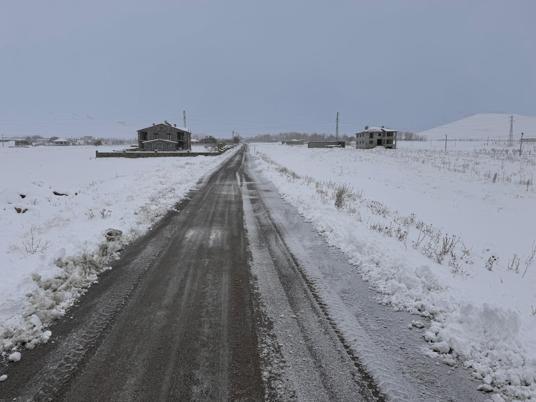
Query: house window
x=371, y=135
x=389, y=134
x=371, y=142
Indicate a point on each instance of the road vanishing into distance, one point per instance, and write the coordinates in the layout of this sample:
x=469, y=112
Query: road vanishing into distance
x=214, y=304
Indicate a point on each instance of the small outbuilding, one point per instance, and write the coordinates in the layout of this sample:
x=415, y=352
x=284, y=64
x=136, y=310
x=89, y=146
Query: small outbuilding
x=22, y=143
x=326, y=144
x=61, y=141
x=372, y=137
x=164, y=137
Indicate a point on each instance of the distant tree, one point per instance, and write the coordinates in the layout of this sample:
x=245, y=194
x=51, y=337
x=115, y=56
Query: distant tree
x=298, y=136
x=208, y=140
x=410, y=136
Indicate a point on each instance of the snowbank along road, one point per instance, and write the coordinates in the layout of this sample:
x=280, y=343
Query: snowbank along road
x=232, y=298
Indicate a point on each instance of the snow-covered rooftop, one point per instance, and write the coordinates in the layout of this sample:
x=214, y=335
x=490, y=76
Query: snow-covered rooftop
x=377, y=130
x=167, y=125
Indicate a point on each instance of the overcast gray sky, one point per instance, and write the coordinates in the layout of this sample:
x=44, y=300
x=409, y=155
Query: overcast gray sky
x=107, y=68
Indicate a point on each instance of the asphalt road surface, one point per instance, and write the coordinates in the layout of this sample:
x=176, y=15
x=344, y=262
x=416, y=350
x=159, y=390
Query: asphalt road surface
x=210, y=305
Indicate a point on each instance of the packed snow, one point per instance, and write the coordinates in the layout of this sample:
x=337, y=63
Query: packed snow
x=57, y=206
x=484, y=126
x=449, y=236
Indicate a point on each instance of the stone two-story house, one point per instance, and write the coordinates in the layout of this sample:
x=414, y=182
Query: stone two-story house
x=164, y=137
x=372, y=137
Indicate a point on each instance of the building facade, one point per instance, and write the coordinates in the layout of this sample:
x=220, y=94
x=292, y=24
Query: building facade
x=164, y=137
x=373, y=137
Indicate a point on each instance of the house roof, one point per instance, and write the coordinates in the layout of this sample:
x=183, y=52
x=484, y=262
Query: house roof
x=60, y=140
x=159, y=140
x=378, y=130
x=184, y=130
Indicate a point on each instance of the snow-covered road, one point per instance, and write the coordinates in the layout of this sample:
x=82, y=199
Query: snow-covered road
x=235, y=296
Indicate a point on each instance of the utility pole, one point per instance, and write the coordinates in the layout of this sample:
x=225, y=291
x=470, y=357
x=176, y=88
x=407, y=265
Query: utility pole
x=446, y=139
x=521, y=144
x=511, y=134
x=337, y=127
x=184, y=118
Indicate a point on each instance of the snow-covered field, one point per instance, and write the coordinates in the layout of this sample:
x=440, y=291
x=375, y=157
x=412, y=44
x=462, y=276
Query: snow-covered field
x=55, y=246
x=451, y=236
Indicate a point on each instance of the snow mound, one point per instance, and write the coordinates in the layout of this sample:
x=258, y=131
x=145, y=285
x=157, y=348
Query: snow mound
x=484, y=126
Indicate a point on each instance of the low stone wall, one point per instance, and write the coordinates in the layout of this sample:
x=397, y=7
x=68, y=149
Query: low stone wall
x=153, y=154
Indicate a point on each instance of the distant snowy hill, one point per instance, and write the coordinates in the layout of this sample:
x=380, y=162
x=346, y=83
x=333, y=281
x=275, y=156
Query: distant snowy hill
x=484, y=126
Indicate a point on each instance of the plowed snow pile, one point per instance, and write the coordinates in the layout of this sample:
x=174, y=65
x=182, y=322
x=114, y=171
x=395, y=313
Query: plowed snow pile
x=56, y=205
x=451, y=237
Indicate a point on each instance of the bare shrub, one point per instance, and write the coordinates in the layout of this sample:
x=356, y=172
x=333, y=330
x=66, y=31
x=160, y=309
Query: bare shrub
x=446, y=247
x=529, y=183
x=401, y=234
x=287, y=172
x=530, y=259
x=491, y=262
x=341, y=194
x=513, y=264
x=321, y=190
x=418, y=241
x=33, y=244
x=377, y=208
